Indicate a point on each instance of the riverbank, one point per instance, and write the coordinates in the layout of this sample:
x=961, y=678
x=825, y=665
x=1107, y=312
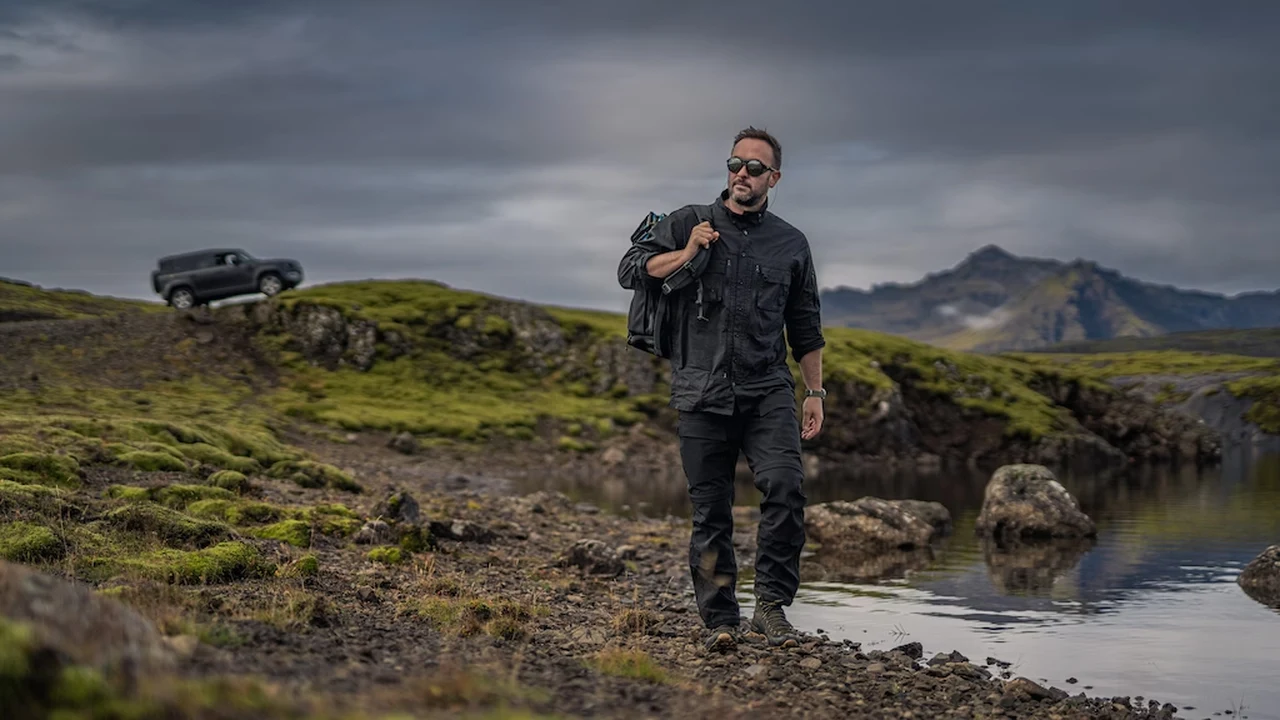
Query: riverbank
x=460, y=600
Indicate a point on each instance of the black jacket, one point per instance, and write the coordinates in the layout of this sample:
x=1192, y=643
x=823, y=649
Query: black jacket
x=728, y=326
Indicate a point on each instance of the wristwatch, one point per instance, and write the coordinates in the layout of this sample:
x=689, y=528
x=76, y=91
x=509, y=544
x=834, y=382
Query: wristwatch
x=819, y=393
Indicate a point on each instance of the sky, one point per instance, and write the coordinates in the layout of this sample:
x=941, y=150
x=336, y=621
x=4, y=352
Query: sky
x=512, y=147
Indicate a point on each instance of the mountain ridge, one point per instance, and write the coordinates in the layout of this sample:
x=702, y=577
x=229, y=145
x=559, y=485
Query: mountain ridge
x=995, y=301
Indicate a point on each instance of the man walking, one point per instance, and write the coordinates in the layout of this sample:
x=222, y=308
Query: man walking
x=731, y=384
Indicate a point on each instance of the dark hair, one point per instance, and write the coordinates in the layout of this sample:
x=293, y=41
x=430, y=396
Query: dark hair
x=758, y=134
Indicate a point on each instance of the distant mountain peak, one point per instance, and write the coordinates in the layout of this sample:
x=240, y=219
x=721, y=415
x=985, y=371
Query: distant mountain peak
x=1040, y=302
x=990, y=253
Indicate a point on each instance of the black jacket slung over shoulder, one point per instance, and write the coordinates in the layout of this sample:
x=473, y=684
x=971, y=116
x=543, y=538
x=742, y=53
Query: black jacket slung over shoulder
x=758, y=282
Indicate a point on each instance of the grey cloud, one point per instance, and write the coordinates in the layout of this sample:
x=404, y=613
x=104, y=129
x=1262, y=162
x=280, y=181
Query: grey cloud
x=497, y=145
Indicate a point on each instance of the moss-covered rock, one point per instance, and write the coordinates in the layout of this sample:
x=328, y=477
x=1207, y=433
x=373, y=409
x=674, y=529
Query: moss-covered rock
x=231, y=480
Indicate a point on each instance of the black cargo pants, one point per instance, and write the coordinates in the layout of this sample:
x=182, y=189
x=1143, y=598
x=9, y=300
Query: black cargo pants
x=765, y=430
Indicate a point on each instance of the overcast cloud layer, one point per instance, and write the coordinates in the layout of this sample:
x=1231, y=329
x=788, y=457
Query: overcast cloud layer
x=511, y=147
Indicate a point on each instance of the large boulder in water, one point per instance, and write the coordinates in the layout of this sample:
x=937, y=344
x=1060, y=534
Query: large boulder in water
x=72, y=625
x=1261, y=578
x=1027, y=501
x=873, y=525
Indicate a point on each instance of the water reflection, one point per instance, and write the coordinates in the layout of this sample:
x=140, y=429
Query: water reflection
x=1034, y=567
x=866, y=567
x=1150, y=606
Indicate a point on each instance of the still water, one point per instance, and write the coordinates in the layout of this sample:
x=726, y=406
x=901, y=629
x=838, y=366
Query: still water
x=1149, y=609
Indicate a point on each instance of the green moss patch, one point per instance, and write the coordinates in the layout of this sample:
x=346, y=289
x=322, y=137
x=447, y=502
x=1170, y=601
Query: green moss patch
x=238, y=512
x=44, y=468
x=311, y=474
x=229, y=480
x=293, y=532
x=28, y=542
x=180, y=496
x=34, y=498
x=221, y=563
x=169, y=526
x=207, y=454
x=148, y=461
x=387, y=555
x=1265, y=392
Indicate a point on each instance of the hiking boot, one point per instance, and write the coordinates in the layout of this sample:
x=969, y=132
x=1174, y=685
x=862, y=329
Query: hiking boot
x=722, y=638
x=770, y=621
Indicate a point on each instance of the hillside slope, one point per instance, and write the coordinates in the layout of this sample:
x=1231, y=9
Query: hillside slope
x=21, y=301
x=994, y=301
x=455, y=367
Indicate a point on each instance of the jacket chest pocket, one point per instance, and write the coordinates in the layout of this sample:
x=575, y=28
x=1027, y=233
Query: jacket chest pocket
x=706, y=295
x=771, y=287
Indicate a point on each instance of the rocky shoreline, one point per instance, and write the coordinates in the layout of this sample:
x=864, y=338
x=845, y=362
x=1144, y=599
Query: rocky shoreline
x=450, y=599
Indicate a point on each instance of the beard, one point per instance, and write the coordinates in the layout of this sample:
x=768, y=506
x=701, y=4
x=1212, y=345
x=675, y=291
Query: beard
x=746, y=197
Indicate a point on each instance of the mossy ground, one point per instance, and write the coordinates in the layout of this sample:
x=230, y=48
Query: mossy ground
x=453, y=366
x=436, y=390
x=27, y=302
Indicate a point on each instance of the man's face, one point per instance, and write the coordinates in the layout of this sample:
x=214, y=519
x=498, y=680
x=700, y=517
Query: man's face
x=745, y=190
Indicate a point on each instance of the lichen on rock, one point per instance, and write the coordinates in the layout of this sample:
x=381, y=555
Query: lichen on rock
x=1027, y=501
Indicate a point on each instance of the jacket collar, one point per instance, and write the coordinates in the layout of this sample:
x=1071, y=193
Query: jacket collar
x=754, y=217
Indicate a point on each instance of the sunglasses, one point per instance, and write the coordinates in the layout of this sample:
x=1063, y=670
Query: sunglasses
x=755, y=168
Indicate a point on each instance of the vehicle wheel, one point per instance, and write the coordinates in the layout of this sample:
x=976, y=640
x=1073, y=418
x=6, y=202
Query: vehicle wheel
x=270, y=284
x=182, y=298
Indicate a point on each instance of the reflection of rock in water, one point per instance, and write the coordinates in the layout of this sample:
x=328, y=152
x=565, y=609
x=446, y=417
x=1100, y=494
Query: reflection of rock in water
x=854, y=567
x=1031, y=567
x=1260, y=580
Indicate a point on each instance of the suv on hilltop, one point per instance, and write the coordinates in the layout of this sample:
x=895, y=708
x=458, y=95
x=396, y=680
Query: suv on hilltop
x=203, y=276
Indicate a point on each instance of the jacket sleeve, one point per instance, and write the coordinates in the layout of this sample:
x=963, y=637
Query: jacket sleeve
x=804, y=309
x=668, y=234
